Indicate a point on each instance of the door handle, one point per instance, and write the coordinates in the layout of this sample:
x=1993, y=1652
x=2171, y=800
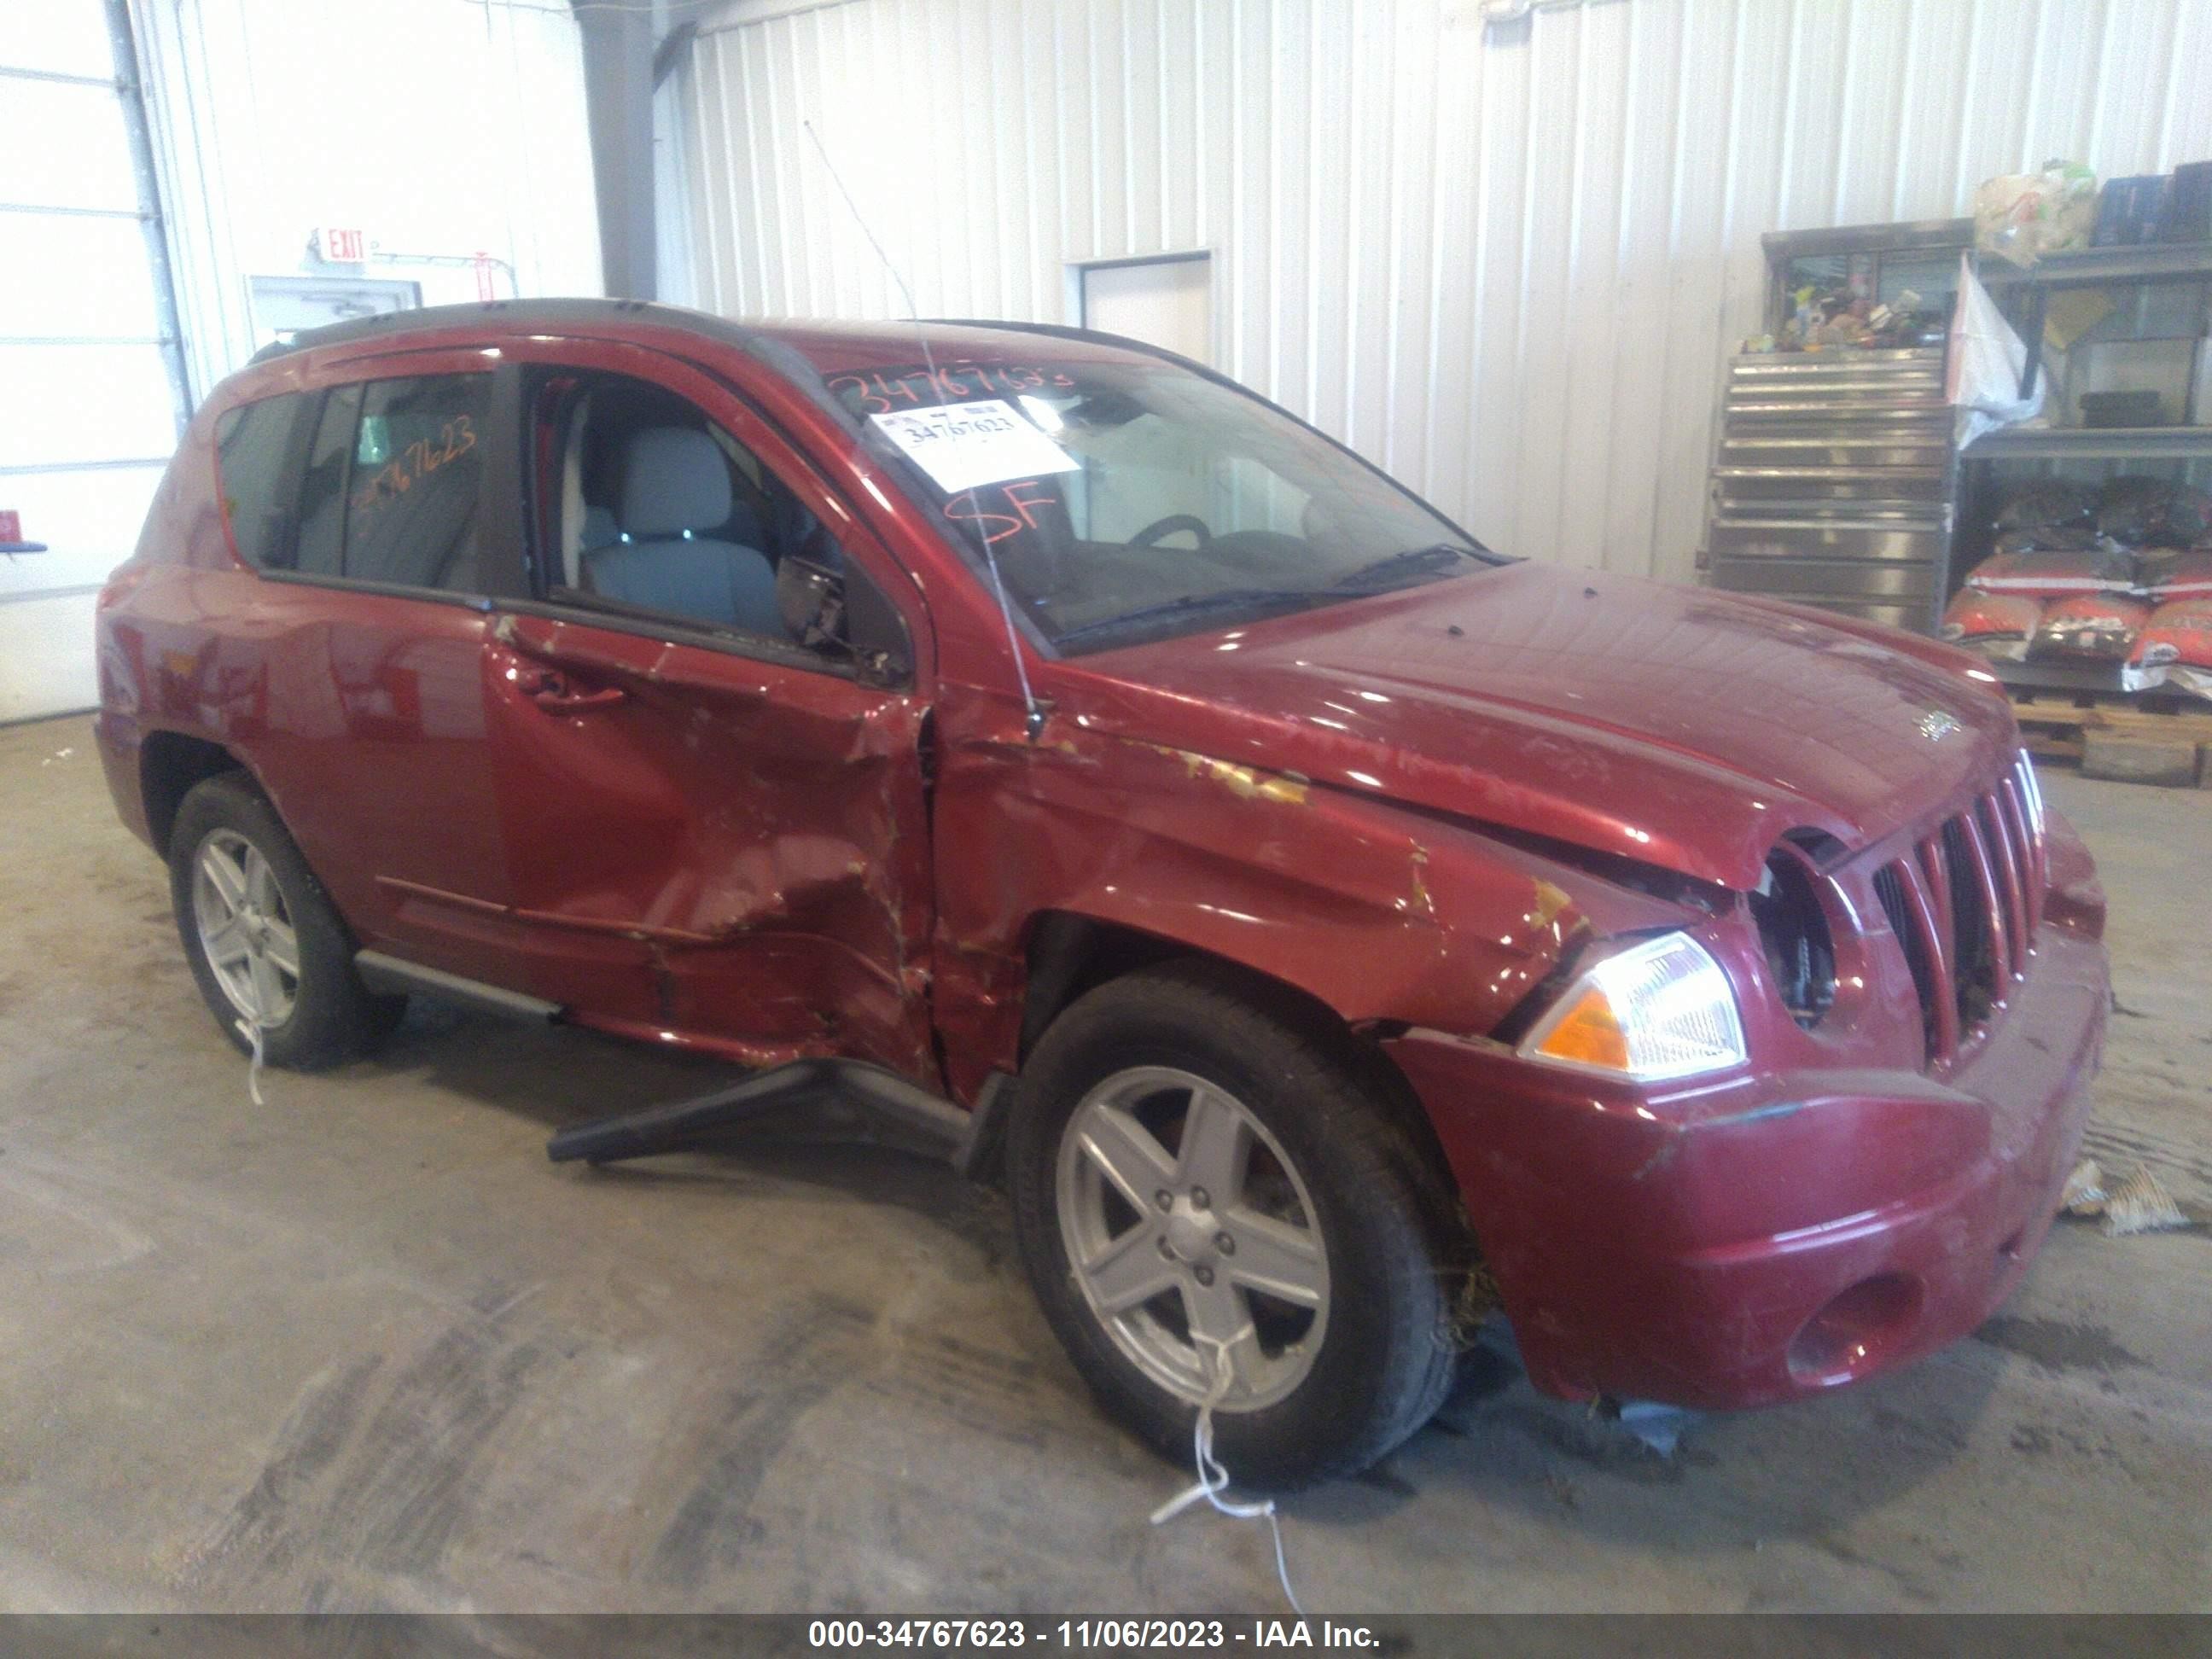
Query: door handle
x=554, y=694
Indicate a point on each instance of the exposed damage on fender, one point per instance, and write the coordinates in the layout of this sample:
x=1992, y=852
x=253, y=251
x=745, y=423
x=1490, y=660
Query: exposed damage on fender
x=1323, y=924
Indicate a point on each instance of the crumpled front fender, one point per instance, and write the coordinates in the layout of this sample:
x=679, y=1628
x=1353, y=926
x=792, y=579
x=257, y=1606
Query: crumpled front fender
x=1383, y=914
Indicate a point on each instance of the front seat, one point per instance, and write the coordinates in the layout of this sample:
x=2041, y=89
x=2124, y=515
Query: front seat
x=675, y=483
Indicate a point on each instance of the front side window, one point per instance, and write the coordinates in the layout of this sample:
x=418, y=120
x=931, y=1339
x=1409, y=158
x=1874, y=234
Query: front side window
x=1164, y=502
x=394, y=482
x=650, y=509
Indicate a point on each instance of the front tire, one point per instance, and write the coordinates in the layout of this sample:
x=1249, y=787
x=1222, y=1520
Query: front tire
x=1200, y=1179
x=266, y=947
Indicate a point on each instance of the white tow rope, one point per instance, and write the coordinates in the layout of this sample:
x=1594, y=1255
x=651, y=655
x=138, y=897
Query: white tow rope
x=250, y=1031
x=1213, y=1480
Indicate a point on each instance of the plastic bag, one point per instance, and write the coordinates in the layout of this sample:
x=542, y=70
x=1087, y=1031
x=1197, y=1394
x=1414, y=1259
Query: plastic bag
x=1998, y=625
x=2054, y=504
x=2053, y=575
x=1981, y=380
x=2174, y=649
x=2097, y=627
x=2024, y=216
x=2168, y=575
x=2152, y=513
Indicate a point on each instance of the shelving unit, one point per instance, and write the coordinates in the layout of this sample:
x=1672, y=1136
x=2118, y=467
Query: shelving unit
x=2026, y=294
x=2060, y=703
x=2108, y=443
x=2144, y=262
x=1835, y=481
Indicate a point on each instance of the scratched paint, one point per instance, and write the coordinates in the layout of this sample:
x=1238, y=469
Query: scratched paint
x=1245, y=782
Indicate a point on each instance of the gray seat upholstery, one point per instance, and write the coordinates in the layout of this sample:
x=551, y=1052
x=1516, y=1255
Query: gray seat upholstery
x=675, y=483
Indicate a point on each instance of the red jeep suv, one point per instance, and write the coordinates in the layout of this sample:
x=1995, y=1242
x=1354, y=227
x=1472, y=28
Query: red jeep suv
x=1324, y=923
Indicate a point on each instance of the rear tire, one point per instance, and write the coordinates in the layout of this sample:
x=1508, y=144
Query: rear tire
x=265, y=942
x=1327, y=1262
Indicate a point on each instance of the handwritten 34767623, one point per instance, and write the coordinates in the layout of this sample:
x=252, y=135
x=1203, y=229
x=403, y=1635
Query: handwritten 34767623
x=418, y=460
x=878, y=393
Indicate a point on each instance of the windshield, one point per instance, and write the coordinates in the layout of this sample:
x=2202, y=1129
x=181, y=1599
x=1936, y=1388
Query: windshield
x=1124, y=502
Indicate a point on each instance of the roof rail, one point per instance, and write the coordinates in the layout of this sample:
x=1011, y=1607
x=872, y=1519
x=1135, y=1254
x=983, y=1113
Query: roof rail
x=515, y=314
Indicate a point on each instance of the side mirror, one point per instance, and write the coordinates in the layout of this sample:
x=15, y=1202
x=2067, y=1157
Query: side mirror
x=876, y=632
x=830, y=607
x=811, y=598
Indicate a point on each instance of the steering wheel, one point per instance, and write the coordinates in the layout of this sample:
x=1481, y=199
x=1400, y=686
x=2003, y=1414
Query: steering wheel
x=1168, y=526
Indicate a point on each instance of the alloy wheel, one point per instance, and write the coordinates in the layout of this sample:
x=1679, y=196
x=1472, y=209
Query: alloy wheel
x=246, y=928
x=1193, y=1237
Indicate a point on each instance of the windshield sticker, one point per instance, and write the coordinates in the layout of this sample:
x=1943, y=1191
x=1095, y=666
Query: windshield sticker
x=966, y=445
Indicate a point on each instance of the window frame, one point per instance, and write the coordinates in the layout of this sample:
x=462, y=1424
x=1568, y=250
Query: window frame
x=290, y=475
x=499, y=516
x=777, y=454
x=355, y=531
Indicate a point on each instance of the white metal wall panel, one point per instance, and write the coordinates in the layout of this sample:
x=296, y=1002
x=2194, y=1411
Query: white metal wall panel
x=443, y=128
x=1505, y=262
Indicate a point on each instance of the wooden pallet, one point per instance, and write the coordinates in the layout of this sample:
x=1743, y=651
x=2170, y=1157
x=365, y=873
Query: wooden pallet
x=2057, y=725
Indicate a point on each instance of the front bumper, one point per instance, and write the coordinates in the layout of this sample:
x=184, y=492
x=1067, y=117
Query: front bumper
x=1776, y=1235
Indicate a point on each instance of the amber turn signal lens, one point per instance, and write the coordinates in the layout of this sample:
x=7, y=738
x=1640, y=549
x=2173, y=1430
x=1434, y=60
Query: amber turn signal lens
x=1588, y=1034
x=1659, y=1009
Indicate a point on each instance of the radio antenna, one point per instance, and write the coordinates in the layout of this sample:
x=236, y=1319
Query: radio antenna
x=1033, y=722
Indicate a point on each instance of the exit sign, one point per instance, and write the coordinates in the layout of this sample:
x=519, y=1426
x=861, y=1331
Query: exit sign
x=11, y=524
x=343, y=246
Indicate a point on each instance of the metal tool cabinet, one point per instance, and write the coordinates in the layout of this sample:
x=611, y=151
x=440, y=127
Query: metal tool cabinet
x=1835, y=478
x=1832, y=483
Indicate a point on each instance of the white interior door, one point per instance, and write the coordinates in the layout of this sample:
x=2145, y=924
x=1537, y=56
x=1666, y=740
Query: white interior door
x=1163, y=302
x=91, y=386
x=1168, y=303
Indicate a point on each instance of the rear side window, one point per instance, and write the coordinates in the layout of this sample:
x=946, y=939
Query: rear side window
x=254, y=443
x=393, y=483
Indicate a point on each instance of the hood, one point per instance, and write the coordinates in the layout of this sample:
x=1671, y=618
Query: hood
x=1675, y=725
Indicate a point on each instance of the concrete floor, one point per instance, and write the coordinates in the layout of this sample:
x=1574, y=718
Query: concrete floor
x=364, y=1347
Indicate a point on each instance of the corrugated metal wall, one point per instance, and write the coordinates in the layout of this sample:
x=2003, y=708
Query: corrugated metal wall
x=1505, y=262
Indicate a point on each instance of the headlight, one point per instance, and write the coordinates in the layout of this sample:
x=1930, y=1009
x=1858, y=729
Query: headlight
x=1661, y=1009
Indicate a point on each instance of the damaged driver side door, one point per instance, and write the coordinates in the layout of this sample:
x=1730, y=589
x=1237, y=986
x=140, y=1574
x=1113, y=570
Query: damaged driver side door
x=707, y=730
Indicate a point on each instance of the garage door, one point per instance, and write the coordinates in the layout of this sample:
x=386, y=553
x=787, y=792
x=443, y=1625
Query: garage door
x=92, y=393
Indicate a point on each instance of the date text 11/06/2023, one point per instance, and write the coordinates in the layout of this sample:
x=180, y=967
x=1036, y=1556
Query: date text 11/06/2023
x=1090, y=1635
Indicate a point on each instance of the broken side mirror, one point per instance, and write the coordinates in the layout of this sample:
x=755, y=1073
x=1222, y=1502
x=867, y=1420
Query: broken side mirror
x=876, y=631
x=830, y=607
